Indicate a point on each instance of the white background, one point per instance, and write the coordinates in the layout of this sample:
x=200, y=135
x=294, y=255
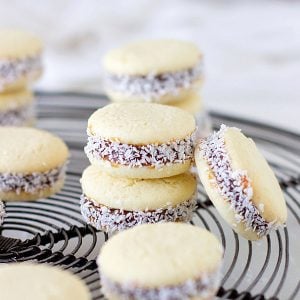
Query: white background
x=252, y=48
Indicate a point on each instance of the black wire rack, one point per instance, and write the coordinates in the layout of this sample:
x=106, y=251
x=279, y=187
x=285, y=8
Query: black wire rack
x=52, y=231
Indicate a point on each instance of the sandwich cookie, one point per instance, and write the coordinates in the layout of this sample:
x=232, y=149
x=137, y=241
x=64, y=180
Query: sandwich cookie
x=114, y=203
x=153, y=71
x=32, y=163
x=17, y=108
x=40, y=282
x=141, y=140
x=168, y=261
x=240, y=183
x=20, y=59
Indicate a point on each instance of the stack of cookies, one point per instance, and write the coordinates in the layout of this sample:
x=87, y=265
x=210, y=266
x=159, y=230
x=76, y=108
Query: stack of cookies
x=141, y=154
x=161, y=71
x=20, y=65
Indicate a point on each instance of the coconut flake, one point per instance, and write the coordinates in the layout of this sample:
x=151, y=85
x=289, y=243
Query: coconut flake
x=2, y=212
x=112, y=219
x=156, y=155
x=30, y=182
x=202, y=287
x=154, y=86
x=14, y=69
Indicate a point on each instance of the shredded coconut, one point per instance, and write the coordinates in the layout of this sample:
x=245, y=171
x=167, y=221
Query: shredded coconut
x=154, y=86
x=157, y=155
x=111, y=219
x=2, y=212
x=30, y=182
x=233, y=185
x=204, y=286
x=13, y=69
x=17, y=117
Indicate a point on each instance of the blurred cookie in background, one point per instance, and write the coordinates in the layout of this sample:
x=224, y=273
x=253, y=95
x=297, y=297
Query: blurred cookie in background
x=159, y=71
x=20, y=59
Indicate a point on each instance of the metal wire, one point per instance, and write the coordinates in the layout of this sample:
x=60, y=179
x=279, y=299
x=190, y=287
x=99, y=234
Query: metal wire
x=52, y=230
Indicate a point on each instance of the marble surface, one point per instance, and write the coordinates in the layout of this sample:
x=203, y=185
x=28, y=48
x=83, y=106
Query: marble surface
x=252, y=48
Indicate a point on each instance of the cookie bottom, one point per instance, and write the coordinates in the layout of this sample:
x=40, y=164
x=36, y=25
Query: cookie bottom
x=110, y=220
x=42, y=193
x=193, y=289
x=141, y=172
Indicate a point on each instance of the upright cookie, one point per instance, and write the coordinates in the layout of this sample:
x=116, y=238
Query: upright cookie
x=168, y=261
x=240, y=183
x=17, y=108
x=153, y=71
x=40, y=282
x=32, y=163
x=20, y=59
x=114, y=203
x=141, y=140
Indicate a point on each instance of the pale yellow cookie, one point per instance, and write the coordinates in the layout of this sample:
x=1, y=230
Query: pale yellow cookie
x=141, y=140
x=32, y=163
x=246, y=193
x=167, y=261
x=30, y=281
x=115, y=203
x=20, y=59
x=153, y=71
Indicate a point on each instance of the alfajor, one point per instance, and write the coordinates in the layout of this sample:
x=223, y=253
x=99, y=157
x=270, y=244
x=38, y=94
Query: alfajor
x=141, y=140
x=240, y=183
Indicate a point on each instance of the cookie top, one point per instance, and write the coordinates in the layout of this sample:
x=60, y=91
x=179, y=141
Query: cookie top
x=40, y=282
x=267, y=194
x=137, y=194
x=27, y=150
x=155, y=255
x=18, y=44
x=141, y=123
x=15, y=99
x=152, y=57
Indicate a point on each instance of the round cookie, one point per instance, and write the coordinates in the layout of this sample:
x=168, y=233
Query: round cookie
x=240, y=183
x=20, y=59
x=135, y=201
x=168, y=261
x=153, y=71
x=17, y=108
x=32, y=163
x=40, y=282
x=141, y=140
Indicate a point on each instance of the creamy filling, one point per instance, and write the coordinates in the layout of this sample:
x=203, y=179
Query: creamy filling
x=152, y=155
x=154, y=86
x=204, y=286
x=113, y=219
x=18, y=116
x=2, y=212
x=235, y=186
x=13, y=69
x=30, y=182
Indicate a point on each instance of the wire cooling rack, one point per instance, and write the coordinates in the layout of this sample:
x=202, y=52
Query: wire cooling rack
x=52, y=231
